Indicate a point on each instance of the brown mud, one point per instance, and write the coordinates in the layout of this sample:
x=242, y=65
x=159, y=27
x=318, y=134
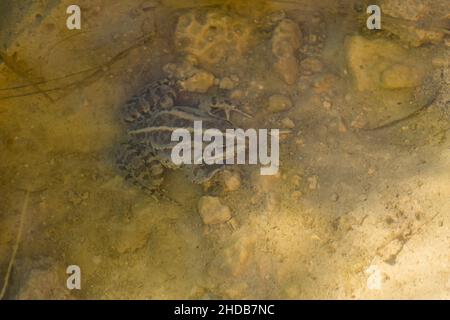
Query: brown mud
x=364, y=183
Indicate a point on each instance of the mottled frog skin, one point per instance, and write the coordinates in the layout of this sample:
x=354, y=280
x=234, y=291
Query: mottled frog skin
x=151, y=117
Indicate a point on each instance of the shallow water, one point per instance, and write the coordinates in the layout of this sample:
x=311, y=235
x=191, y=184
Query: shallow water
x=363, y=188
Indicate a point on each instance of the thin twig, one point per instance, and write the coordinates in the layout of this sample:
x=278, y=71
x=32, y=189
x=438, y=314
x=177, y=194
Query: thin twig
x=16, y=246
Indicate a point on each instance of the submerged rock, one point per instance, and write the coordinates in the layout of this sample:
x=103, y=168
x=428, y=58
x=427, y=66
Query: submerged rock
x=416, y=21
x=401, y=76
x=285, y=43
x=287, y=123
x=200, y=82
x=279, y=103
x=227, y=83
x=213, y=211
x=231, y=180
x=214, y=35
x=393, y=82
x=382, y=64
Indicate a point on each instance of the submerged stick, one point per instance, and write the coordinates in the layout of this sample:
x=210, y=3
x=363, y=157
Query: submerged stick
x=16, y=246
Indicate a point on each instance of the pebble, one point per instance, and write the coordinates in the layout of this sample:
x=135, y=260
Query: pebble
x=212, y=211
x=313, y=182
x=327, y=104
x=199, y=82
x=279, y=103
x=227, y=84
x=341, y=126
x=231, y=180
x=312, y=64
x=288, y=123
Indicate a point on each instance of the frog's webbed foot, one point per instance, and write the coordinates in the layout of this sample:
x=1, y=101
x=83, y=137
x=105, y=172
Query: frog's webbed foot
x=227, y=109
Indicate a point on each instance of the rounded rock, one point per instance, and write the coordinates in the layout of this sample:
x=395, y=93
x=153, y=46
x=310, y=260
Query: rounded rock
x=212, y=211
x=231, y=180
x=279, y=103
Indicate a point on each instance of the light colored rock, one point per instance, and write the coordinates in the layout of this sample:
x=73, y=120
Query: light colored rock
x=416, y=22
x=213, y=211
x=407, y=9
x=227, y=84
x=400, y=76
x=181, y=71
x=287, y=123
x=279, y=103
x=199, y=82
x=213, y=36
x=327, y=104
x=313, y=182
x=382, y=63
x=312, y=64
x=231, y=180
x=287, y=68
x=285, y=43
x=286, y=38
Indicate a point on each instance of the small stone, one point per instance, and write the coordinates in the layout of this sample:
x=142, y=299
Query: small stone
x=288, y=123
x=324, y=83
x=312, y=64
x=285, y=43
x=279, y=103
x=199, y=82
x=300, y=142
x=213, y=211
x=234, y=78
x=231, y=180
x=227, y=84
x=288, y=69
x=334, y=197
x=327, y=104
x=342, y=126
x=313, y=182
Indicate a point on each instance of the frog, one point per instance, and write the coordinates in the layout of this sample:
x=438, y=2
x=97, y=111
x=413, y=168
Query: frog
x=150, y=117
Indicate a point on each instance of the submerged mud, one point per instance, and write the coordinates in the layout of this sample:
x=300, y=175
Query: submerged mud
x=362, y=195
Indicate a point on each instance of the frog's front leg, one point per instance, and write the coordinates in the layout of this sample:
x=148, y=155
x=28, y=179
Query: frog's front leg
x=214, y=106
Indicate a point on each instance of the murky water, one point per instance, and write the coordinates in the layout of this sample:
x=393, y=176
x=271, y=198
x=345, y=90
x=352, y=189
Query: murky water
x=359, y=209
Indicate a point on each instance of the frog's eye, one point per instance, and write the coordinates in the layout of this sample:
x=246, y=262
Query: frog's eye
x=166, y=102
